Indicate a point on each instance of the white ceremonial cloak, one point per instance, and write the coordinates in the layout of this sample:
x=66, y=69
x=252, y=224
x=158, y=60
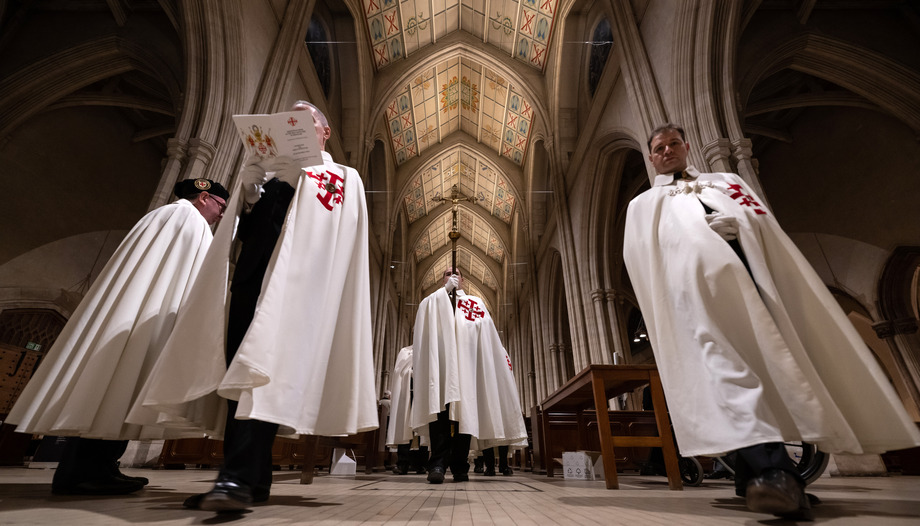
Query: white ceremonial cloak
x=398, y=429
x=94, y=370
x=306, y=361
x=744, y=363
x=485, y=401
x=434, y=362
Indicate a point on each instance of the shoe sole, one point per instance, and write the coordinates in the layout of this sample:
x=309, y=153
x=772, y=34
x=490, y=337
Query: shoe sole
x=773, y=502
x=100, y=492
x=219, y=502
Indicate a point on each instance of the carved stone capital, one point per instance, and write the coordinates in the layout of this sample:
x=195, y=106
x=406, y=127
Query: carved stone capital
x=890, y=328
x=176, y=149
x=742, y=149
x=201, y=150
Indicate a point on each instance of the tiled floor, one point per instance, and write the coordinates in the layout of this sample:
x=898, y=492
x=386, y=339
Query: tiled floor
x=25, y=498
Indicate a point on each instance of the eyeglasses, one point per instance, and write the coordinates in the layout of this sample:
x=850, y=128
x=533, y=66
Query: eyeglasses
x=220, y=202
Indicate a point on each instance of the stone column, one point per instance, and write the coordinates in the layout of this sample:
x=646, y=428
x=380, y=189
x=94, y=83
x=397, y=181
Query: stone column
x=200, y=153
x=747, y=166
x=177, y=153
x=718, y=154
x=619, y=350
x=900, y=335
x=598, y=296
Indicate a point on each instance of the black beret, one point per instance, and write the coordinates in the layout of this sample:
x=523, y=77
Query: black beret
x=192, y=187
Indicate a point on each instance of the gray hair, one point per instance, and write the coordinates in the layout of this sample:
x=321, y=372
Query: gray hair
x=319, y=113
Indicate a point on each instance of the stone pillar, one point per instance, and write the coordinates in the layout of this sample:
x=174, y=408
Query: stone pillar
x=558, y=366
x=901, y=336
x=718, y=155
x=619, y=350
x=746, y=166
x=598, y=297
x=200, y=154
x=177, y=153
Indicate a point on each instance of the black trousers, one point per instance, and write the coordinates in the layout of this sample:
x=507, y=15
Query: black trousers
x=406, y=458
x=753, y=460
x=248, y=443
x=87, y=460
x=488, y=456
x=446, y=450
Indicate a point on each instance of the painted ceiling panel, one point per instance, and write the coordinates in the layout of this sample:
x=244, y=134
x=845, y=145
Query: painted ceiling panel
x=459, y=95
x=519, y=28
x=475, y=176
x=471, y=227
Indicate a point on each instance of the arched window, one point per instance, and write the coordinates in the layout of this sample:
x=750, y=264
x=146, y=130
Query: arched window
x=601, y=42
x=317, y=41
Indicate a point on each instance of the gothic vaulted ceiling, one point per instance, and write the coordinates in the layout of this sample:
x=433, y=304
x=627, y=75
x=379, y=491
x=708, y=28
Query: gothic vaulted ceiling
x=460, y=95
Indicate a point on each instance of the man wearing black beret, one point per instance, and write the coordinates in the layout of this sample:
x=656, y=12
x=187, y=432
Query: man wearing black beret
x=92, y=374
x=294, y=323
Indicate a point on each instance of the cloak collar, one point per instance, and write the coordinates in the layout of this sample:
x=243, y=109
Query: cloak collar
x=668, y=179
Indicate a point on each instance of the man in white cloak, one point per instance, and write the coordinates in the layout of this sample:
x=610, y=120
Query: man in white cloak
x=399, y=433
x=289, y=344
x=752, y=348
x=462, y=377
x=99, y=362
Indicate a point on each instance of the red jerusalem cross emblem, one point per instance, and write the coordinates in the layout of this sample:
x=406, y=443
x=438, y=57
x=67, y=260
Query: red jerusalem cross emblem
x=744, y=199
x=331, y=188
x=471, y=309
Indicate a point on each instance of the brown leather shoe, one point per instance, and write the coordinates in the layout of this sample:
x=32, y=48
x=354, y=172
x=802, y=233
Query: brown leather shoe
x=779, y=493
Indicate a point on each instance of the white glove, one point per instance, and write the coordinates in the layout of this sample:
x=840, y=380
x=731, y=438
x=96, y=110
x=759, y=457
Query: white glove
x=252, y=177
x=724, y=225
x=452, y=283
x=286, y=169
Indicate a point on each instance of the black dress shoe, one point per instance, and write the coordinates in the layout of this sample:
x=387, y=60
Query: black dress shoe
x=436, y=475
x=120, y=475
x=194, y=502
x=718, y=474
x=489, y=472
x=779, y=493
x=106, y=486
x=507, y=471
x=400, y=470
x=226, y=496
x=461, y=477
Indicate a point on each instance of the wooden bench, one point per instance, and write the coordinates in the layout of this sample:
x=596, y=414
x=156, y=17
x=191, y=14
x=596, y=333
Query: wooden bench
x=590, y=389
